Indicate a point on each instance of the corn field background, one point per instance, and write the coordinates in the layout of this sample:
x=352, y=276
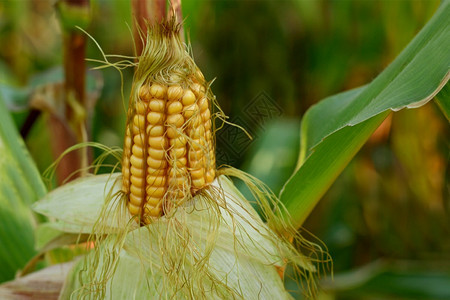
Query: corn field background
x=384, y=220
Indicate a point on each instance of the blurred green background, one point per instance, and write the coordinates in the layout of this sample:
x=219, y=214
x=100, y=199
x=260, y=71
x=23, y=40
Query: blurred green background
x=386, y=219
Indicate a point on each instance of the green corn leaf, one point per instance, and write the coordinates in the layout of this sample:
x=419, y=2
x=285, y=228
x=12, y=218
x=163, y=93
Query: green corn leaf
x=393, y=280
x=20, y=185
x=278, y=139
x=336, y=128
x=443, y=101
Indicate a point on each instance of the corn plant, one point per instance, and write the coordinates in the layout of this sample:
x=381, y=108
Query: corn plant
x=171, y=224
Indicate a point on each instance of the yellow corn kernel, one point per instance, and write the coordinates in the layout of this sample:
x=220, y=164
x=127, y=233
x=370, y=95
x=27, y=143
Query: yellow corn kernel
x=177, y=183
x=157, y=105
x=141, y=107
x=208, y=135
x=155, y=172
x=174, y=108
x=136, y=199
x=191, y=110
x=168, y=148
x=151, y=211
x=135, y=210
x=156, y=191
x=138, y=139
x=199, y=173
x=158, y=91
x=195, y=121
x=157, y=142
x=188, y=98
x=206, y=115
x=137, y=162
x=156, y=163
x=197, y=133
x=176, y=120
x=178, y=142
x=173, y=133
x=203, y=104
x=198, y=144
x=195, y=164
x=144, y=93
x=137, y=191
x=177, y=152
x=178, y=162
x=156, y=180
x=208, y=125
x=174, y=92
x=153, y=201
x=137, y=151
x=157, y=153
x=128, y=142
x=139, y=121
x=210, y=175
x=178, y=174
x=126, y=173
x=135, y=129
x=198, y=90
x=137, y=172
x=199, y=75
x=155, y=130
x=155, y=118
x=199, y=183
x=137, y=181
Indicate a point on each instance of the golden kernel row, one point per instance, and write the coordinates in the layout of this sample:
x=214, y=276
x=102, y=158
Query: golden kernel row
x=168, y=148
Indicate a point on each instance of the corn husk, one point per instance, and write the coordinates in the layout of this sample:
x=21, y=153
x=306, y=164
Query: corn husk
x=240, y=250
x=80, y=215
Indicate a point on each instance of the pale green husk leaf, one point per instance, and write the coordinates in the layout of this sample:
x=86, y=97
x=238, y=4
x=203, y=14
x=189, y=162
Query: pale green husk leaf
x=240, y=249
x=130, y=280
x=76, y=206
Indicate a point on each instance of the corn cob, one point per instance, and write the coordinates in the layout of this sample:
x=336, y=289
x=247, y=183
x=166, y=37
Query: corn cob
x=168, y=149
